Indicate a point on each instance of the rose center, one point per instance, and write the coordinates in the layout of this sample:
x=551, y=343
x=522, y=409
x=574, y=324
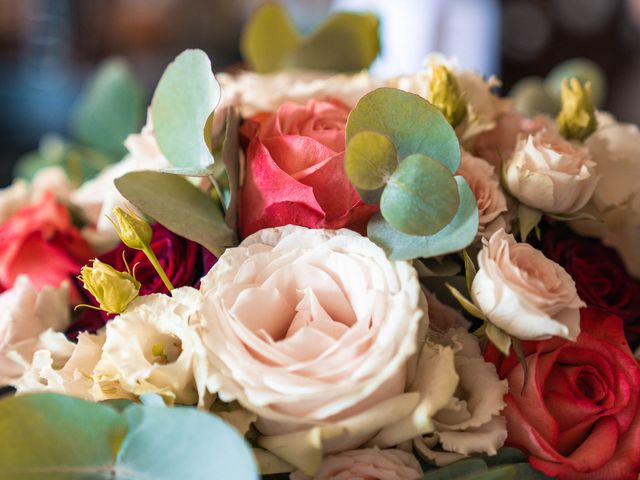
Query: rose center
x=591, y=386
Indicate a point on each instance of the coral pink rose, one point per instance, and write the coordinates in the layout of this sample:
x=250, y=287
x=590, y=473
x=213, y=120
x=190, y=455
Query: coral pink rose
x=40, y=242
x=578, y=415
x=295, y=171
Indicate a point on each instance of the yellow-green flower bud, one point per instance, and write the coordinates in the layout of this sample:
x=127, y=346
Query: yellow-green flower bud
x=134, y=231
x=112, y=289
x=444, y=93
x=577, y=119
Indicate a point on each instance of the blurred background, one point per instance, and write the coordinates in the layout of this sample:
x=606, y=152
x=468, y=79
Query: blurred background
x=48, y=48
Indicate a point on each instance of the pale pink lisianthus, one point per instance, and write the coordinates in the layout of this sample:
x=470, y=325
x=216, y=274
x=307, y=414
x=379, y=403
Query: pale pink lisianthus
x=524, y=293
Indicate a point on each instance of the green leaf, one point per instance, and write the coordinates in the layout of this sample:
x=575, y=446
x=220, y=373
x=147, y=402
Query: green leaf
x=53, y=437
x=231, y=159
x=457, y=470
x=465, y=303
x=469, y=270
x=522, y=360
x=498, y=337
x=528, y=219
x=345, y=42
x=506, y=455
x=421, y=197
x=78, y=162
x=503, y=472
x=178, y=205
x=182, y=442
x=268, y=38
x=410, y=122
x=460, y=232
x=110, y=108
x=370, y=160
x=182, y=104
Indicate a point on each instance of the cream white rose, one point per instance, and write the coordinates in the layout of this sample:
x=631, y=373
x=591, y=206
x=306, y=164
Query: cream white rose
x=524, y=293
x=492, y=204
x=471, y=421
x=153, y=347
x=24, y=315
x=615, y=148
x=548, y=173
x=316, y=332
x=254, y=92
x=391, y=464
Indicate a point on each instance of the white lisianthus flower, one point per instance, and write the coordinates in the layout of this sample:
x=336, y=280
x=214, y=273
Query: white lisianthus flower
x=316, y=332
x=471, y=421
x=548, y=173
x=524, y=293
x=390, y=464
x=99, y=196
x=485, y=185
x=253, y=92
x=153, y=347
x=24, y=315
x=60, y=366
x=615, y=148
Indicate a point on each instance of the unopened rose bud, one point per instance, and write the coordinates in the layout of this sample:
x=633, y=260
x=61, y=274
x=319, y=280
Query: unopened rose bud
x=133, y=230
x=444, y=94
x=577, y=119
x=113, y=290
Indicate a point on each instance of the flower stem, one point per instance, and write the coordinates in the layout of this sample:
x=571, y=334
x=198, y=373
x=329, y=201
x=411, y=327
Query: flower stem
x=156, y=264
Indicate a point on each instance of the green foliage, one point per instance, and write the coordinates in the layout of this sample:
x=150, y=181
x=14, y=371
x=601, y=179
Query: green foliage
x=411, y=123
x=370, y=160
x=80, y=163
x=344, y=42
x=421, y=197
x=528, y=220
x=458, y=234
x=181, y=108
x=54, y=437
x=178, y=205
x=110, y=108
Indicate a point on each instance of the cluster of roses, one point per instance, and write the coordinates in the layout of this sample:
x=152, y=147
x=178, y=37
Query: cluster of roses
x=336, y=360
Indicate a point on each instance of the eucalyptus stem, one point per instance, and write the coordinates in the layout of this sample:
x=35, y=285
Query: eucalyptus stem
x=156, y=264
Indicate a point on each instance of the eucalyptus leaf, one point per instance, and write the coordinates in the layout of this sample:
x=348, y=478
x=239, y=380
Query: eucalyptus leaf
x=457, y=470
x=231, y=159
x=421, y=197
x=178, y=205
x=345, y=42
x=370, y=160
x=268, y=37
x=55, y=437
x=182, y=104
x=110, y=108
x=460, y=232
x=410, y=122
x=190, y=171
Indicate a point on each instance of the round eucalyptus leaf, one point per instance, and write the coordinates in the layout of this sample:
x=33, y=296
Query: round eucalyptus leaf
x=421, y=197
x=370, y=160
x=182, y=104
x=411, y=123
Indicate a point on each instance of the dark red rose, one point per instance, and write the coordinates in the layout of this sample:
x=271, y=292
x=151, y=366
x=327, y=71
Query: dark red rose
x=295, y=171
x=184, y=261
x=601, y=278
x=577, y=416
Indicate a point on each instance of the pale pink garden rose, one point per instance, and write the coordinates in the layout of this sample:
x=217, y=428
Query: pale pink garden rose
x=548, y=173
x=471, y=421
x=524, y=293
x=497, y=145
x=24, y=314
x=485, y=185
x=368, y=463
x=316, y=332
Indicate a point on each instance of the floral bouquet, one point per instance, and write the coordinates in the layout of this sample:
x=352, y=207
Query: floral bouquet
x=306, y=272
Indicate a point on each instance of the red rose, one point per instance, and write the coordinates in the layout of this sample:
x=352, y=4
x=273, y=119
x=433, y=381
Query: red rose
x=295, y=171
x=41, y=242
x=577, y=416
x=183, y=261
x=601, y=278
